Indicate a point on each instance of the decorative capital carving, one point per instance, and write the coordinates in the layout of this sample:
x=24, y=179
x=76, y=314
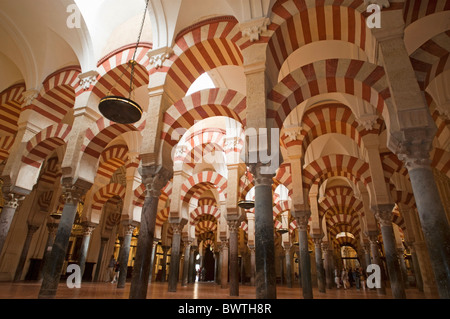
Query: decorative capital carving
x=233, y=225
x=88, y=228
x=253, y=29
x=72, y=194
x=259, y=177
x=12, y=200
x=384, y=215
x=154, y=179
x=367, y=122
x=29, y=96
x=158, y=56
x=129, y=229
x=87, y=79
x=302, y=218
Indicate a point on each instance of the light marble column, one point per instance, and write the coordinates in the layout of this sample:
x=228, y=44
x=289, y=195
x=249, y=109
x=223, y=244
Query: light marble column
x=373, y=239
x=88, y=228
x=252, y=264
x=224, y=264
x=11, y=204
x=233, y=227
x=288, y=260
x=103, y=241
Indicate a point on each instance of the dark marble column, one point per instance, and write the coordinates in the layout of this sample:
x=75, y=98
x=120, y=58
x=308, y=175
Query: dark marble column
x=384, y=216
x=416, y=266
x=305, y=262
x=152, y=263
x=233, y=227
x=265, y=275
x=174, y=267
x=319, y=264
x=186, y=262
x=125, y=254
x=435, y=226
x=164, y=263
x=11, y=203
x=103, y=241
x=52, y=228
x=88, y=228
x=288, y=260
x=53, y=268
x=154, y=179
x=373, y=239
x=23, y=256
x=191, y=270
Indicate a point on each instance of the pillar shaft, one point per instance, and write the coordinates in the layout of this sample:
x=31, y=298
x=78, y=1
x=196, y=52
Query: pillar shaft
x=174, y=267
x=87, y=232
x=10, y=206
x=234, y=263
x=319, y=265
x=287, y=255
x=53, y=268
x=224, y=265
x=124, y=255
x=154, y=182
x=187, y=254
x=98, y=268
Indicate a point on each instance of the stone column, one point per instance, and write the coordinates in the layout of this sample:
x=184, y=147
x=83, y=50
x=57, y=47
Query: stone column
x=52, y=228
x=328, y=265
x=124, y=254
x=416, y=266
x=23, y=256
x=265, y=275
x=191, y=269
x=152, y=263
x=154, y=179
x=103, y=241
x=88, y=228
x=305, y=262
x=53, y=268
x=287, y=256
x=233, y=227
x=404, y=271
x=384, y=216
x=319, y=264
x=187, y=253
x=435, y=226
x=224, y=265
x=252, y=264
x=11, y=203
x=373, y=239
x=174, y=267
x=164, y=263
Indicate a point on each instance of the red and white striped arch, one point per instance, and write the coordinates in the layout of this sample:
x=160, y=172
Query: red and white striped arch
x=205, y=224
x=44, y=143
x=11, y=100
x=115, y=73
x=283, y=176
x=431, y=59
x=195, y=185
x=199, y=143
x=203, y=210
x=202, y=47
x=111, y=159
x=417, y=9
x=50, y=173
x=328, y=118
x=298, y=23
x=327, y=166
x=103, y=132
x=105, y=193
x=199, y=106
x=58, y=94
x=353, y=77
x=162, y=216
x=440, y=159
x=6, y=142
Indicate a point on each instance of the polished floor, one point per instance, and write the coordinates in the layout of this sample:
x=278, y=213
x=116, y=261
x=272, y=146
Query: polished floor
x=198, y=290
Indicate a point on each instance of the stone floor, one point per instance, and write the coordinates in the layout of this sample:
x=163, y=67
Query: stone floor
x=199, y=290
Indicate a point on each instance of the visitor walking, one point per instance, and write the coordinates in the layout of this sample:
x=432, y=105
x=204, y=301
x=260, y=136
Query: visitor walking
x=344, y=278
x=357, y=278
x=337, y=278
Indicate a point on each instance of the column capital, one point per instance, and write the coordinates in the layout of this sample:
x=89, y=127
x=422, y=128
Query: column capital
x=72, y=193
x=154, y=178
x=88, y=228
x=233, y=225
x=261, y=178
x=384, y=214
x=302, y=218
x=12, y=200
x=128, y=229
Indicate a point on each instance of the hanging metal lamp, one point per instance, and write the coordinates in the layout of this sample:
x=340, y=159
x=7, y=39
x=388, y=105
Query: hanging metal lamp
x=246, y=203
x=119, y=109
